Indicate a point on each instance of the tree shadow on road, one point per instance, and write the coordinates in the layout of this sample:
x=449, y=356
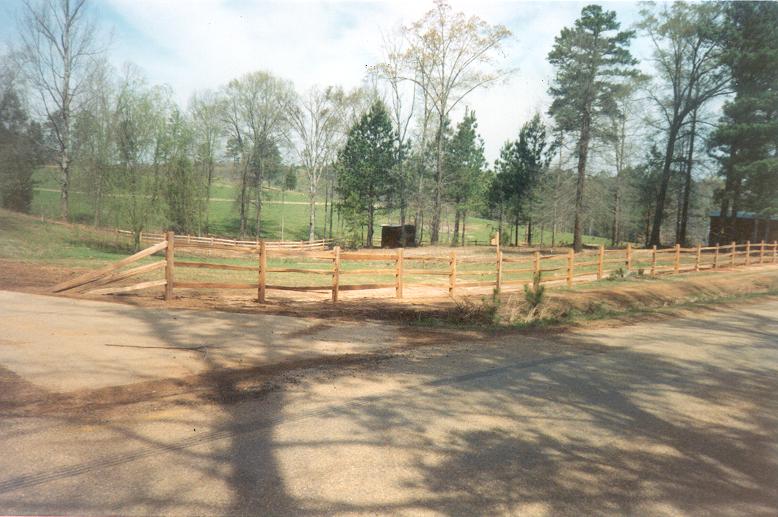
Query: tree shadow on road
x=573, y=427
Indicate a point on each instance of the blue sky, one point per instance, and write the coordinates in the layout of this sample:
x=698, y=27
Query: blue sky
x=198, y=44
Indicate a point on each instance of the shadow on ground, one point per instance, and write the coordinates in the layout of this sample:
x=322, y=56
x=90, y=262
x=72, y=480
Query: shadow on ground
x=686, y=422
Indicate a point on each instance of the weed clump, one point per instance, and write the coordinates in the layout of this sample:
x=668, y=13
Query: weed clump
x=534, y=296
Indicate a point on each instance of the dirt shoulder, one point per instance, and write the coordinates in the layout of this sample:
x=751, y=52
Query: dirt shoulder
x=594, y=299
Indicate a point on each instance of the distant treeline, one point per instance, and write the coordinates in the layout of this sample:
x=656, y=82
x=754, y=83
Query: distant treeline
x=634, y=156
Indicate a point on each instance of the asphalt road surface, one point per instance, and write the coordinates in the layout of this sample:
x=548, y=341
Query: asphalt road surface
x=678, y=417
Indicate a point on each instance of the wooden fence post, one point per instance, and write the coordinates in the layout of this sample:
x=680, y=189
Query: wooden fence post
x=452, y=273
x=716, y=257
x=398, y=274
x=570, y=265
x=761, y=252
x=170, y=249
x=653, y=260
x=677, y=263
x=748, y=253
x=498, y=274
x=775, y=250
x=600, y=260
x=697, y=257
x=629, y=257
x=335, y=274
x=733, y=249
x=536, y=265
x=262, y=280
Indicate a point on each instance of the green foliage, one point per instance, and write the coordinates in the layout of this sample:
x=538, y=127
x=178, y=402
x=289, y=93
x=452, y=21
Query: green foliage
x=183, y=188
x=20, y=150
x=535, y=295
x=591, y=61
x=464, y=165
x=589, y=58
x=745, y=140
x=364, y=168
x=688, y=44
x=520, y=169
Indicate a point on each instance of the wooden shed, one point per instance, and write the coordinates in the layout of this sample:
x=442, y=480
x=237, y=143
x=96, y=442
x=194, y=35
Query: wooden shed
x=748, y=227
x=398, y=236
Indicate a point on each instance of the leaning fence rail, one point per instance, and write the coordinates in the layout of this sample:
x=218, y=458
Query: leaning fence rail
x=334, y=270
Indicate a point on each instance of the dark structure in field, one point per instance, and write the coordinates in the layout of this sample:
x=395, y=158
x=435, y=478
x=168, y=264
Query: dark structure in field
x=398, y=236
x=748, y=226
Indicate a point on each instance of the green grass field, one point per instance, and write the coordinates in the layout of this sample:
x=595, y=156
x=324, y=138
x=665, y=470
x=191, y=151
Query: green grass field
x=224, y=221
x=27, y=239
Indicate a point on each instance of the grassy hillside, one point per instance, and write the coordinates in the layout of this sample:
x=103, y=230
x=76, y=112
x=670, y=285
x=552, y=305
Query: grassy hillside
x=26, y=239
x=223, y=215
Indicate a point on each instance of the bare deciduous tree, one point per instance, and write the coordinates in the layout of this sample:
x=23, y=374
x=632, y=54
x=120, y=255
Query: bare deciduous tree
x=318, y=124
x=257, y=113
x=687, y=42
x=448, y=55
x=58, y=50
x=206, y=110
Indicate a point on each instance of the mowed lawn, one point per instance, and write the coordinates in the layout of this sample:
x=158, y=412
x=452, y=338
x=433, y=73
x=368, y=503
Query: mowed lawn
x=287, y=220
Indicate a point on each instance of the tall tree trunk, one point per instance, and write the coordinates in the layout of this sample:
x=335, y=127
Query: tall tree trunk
x=516, y=231
x=98, y=200
x=464, y=226
x=311, y=211
x=65, y=143
x=499, y=223
x=64, y=194
x=370, y=221
x=687, y=188
x=283, y=199
x=734, y=209
x=529, y=231
x=438, y=193
x=243, y=198
x=326, y=208
x=332, y=204
x=455, y=239
x=420, y=227
x=583, y=152
x=678, y=203
x=615, y=237
x=209, y=179
x=659, y=209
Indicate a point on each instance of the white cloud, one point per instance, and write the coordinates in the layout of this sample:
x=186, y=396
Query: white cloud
x=205, y=43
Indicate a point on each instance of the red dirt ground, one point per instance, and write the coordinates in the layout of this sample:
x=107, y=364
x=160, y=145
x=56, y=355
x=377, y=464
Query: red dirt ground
x=616, y=295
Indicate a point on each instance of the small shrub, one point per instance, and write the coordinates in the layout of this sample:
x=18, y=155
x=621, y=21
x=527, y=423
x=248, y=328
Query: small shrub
x=534, y=296
x=617, y=274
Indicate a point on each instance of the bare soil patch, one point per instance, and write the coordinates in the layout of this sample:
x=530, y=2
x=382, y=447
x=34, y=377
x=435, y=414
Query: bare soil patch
x=645, y=293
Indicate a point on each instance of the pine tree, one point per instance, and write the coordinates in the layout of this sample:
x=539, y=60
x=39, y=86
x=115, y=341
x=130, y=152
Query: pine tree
x=364, y=168
x=590, y=59
x=464, y=163
x=519, y=170
x=746, y=141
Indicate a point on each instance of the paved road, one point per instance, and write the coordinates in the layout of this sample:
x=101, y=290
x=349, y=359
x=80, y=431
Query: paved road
x=677, y=417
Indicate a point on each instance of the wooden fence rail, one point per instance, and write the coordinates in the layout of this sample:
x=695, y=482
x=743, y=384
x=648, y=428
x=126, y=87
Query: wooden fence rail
x=454, y=272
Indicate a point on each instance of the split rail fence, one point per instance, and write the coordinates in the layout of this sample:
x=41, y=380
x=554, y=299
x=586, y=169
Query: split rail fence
x=217, y=242
x=337, y=270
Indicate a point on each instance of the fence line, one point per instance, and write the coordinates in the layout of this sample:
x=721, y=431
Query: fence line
x=454, y=273
x=220, y=243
